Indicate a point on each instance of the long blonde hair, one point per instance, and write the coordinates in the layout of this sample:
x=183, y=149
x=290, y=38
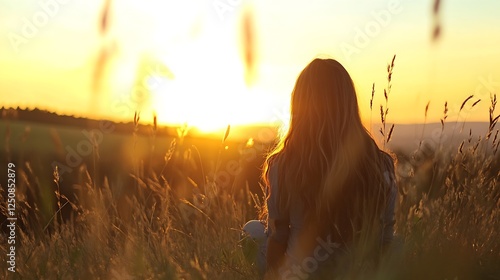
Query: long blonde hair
x=327, y=159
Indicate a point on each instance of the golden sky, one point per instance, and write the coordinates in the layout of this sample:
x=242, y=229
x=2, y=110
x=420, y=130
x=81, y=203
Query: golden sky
x=189, y=56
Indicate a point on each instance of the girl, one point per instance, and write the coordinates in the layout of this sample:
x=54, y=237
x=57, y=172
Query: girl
x=331, y=190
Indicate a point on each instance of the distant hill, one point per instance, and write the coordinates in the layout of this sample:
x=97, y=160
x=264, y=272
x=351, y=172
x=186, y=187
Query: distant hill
x=46, y=117
x=407, y=137
x=238, y=133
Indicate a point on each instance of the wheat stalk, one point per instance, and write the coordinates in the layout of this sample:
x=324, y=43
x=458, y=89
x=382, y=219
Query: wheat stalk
x=384, y=112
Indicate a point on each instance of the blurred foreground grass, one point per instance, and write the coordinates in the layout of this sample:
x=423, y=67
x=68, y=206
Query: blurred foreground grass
x=448, y=226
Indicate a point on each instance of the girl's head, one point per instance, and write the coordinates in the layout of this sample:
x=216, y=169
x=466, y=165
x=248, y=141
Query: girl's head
x=327, y=159
x=324, y=106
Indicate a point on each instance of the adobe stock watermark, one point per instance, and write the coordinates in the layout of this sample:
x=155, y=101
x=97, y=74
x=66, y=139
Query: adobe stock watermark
x=222, y=7
x=485, y=86
x=85, y=147
x=31, y=26
x=250, y=150
x=488, y=84
x=429, y=145
x=11, y=217
x=126, y=106
x=323, y=251
x=363, y=36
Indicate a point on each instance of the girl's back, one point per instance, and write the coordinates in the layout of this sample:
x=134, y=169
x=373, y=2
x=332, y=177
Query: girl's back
x=330, y=187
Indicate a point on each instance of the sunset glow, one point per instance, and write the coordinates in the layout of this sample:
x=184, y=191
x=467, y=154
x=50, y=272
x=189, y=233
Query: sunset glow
x=203, y=47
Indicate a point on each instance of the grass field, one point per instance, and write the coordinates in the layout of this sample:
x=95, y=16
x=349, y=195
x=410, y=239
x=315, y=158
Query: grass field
x=448, y=222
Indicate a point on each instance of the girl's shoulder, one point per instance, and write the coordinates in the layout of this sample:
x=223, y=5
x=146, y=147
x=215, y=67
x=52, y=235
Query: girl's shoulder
x=388, y=168
x=388, y=160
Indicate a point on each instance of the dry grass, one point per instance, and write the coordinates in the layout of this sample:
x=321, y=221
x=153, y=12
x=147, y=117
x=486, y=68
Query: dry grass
x=150, y=235
x=449, y=224
x=451, y=230
x=449, y=234
x=384, y=111
x=447, y=227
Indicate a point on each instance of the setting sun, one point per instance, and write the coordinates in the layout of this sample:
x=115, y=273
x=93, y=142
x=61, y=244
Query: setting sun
x=200, y=78
x=209, y=96
x=235, y=62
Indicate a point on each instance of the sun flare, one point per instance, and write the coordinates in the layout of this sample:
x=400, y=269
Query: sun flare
x=211, y=108
x=208, y=89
